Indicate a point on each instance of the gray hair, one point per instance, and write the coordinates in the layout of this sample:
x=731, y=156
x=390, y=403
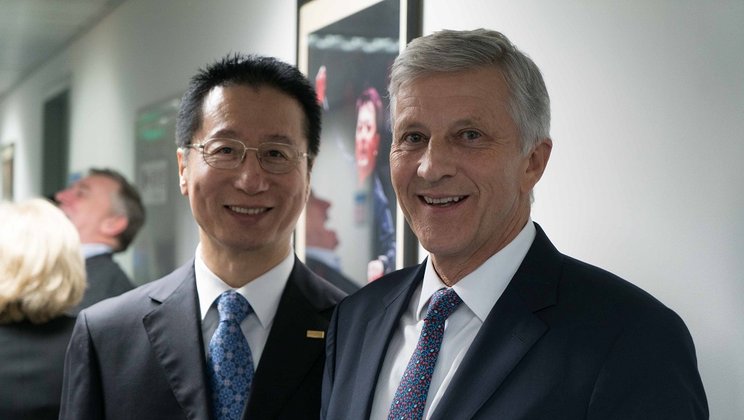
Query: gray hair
x=453, y=51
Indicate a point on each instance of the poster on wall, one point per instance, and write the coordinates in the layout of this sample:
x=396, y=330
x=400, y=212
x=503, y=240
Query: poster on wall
x=351, y=229
x=169, y=236
x=7, y=154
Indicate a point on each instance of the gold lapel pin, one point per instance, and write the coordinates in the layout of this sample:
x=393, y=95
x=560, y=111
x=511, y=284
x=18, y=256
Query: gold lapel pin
x=315, y=334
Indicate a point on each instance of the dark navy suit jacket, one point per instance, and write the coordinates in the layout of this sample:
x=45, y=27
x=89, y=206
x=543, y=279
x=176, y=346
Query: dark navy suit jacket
x=141, y=356
x=566, y=340
x=32, y=358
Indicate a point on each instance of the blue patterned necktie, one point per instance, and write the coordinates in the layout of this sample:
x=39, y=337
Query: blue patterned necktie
x=231, y=367
x=410, y=397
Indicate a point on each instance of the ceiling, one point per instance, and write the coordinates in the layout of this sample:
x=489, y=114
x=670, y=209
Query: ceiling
x=33, y=31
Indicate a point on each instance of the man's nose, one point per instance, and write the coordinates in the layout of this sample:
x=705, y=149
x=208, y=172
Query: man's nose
x=62, y=195
x=251, y=177
x=437, y=161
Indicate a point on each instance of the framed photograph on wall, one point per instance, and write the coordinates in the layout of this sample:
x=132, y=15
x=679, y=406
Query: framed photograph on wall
x=353, y=230
x=7, y=155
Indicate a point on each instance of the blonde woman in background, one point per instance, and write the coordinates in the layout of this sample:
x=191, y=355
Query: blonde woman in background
x=42, y=276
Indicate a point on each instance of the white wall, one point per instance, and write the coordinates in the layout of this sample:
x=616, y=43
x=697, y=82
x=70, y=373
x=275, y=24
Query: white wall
x=143, y=52
x=645, y=178
x=648, y=116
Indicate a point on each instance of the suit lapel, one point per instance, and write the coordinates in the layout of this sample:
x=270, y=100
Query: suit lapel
x=174, y=331
x=377, y=335
x=293, y=347
x=507, y=334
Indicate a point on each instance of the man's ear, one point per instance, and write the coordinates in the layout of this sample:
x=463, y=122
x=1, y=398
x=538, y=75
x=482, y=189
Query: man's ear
x=536, y=163
x=112, y=226
x=182, y=172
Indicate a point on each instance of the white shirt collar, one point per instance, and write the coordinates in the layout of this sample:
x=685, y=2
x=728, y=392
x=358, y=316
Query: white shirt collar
x=481, y=289
x=263, y=293
x=91, y=250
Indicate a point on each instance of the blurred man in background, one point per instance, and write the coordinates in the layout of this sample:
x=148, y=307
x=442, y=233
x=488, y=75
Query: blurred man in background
x=107, y=211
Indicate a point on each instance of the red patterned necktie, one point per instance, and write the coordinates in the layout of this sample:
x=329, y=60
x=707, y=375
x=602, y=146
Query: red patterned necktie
x=410, y=397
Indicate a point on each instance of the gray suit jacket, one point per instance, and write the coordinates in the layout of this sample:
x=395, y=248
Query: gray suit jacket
x=140, y=355
x=566, y=340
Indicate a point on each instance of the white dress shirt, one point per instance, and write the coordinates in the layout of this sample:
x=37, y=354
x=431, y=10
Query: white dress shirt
x=479, y=292
x=263, y=294
x=91, y=250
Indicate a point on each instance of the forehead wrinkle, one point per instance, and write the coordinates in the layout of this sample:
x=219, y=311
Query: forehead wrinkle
x=225, y=133
x=279, y=138
x=268, y=138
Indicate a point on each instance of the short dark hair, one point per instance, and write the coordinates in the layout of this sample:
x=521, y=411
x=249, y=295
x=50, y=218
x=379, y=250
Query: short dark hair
x=127, y=201
x=255, y=71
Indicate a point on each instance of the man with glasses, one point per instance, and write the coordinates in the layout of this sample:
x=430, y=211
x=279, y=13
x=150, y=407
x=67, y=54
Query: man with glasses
x=239, y=330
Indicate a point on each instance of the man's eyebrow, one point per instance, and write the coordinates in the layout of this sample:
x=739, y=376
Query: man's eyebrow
x=272, y=138
x=222, y=133
x=467, y=122
x=279, y=138
x=408, y=125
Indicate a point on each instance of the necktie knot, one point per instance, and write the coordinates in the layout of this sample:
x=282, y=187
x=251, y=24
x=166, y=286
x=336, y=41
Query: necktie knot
x=232, y=306
x=443, y=303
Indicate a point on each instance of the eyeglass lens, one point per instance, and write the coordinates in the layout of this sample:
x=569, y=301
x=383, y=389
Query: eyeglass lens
x=228, y=154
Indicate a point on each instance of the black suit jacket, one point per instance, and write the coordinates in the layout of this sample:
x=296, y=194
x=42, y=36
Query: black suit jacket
x=31, y=363
x=105, y=279
x=333, y=276
x=141, y=355
x=566, y=340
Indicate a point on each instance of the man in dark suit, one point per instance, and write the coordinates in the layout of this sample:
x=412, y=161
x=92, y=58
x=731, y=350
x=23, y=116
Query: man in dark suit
x=248, y=131
x=496, y=323
x=107, y=212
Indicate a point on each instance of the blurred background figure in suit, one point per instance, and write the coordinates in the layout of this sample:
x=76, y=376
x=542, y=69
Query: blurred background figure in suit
x=42, y=277
x=108, y=212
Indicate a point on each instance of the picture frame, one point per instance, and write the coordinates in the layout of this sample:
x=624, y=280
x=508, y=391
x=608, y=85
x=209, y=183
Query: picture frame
x=7, y=158
x=352, y=226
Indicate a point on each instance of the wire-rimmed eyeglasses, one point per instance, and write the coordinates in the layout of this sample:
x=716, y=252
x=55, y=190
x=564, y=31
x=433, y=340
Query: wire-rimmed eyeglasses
x=223, y=153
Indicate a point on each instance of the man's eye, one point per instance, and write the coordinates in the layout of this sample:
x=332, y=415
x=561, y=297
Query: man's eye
x=276, y=154
x=413, y=138
x=469, y=135
x=224, y=150
x=219, y=148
